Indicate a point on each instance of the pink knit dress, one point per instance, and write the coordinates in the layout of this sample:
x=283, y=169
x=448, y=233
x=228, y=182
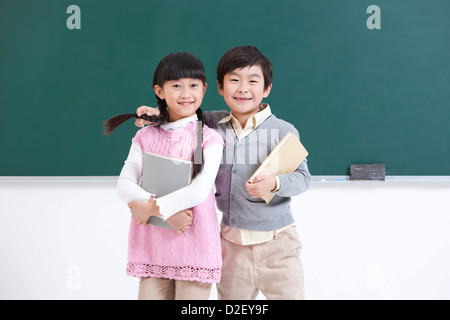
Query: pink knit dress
x=158, y=252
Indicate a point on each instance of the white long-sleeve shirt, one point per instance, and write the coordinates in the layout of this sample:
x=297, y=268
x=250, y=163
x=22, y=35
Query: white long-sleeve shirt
x=129, y=189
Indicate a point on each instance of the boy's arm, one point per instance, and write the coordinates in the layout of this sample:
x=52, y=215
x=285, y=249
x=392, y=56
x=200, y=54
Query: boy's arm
x=292, y=184
x=212, y=118
x=209, y=121
x=288, y=185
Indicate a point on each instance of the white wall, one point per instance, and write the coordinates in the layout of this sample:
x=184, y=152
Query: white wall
x=66, y=238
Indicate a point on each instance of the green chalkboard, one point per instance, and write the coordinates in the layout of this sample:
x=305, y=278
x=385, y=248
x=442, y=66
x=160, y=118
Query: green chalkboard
x=361, y=86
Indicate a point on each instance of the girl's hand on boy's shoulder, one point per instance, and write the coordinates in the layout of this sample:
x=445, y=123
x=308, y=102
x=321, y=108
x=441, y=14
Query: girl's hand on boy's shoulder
x=261, y=185
x=148, y=111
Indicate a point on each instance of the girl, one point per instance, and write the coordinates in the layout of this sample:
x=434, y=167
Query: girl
x=179, y=264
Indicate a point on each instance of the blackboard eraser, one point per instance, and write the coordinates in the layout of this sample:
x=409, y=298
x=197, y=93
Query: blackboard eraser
x=367, y=172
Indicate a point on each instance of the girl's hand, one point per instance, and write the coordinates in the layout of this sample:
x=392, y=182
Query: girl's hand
x=261, y=185
x=181, y=221
x=145, y=110
x=141, y=210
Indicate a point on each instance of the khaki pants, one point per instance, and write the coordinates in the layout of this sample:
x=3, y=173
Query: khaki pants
x=169, y=289
x=273, y=267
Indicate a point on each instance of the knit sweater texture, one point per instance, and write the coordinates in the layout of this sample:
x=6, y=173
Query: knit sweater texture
x=240, y=161
x=157, y=252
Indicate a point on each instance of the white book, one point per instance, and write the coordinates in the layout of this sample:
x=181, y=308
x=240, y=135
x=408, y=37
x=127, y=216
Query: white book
x=163, y=175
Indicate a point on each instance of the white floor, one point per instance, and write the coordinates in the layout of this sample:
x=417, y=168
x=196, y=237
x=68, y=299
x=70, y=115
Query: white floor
x=66, y=238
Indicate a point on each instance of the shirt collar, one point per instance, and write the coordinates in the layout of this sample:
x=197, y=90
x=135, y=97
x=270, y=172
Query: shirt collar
x=258, y=118
x=179, y=123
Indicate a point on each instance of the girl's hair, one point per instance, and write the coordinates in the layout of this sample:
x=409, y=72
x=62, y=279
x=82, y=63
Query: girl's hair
x=175, y=66
x=112, y=123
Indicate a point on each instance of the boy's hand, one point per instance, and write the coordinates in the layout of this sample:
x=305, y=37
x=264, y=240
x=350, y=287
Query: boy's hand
x=261, y=185
x=145, y=110
x=181, y=221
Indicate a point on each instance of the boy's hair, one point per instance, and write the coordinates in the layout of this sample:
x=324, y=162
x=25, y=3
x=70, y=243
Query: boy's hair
x=241, y=57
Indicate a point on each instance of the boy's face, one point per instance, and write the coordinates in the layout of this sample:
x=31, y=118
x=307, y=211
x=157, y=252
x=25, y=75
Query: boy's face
x=243, y=90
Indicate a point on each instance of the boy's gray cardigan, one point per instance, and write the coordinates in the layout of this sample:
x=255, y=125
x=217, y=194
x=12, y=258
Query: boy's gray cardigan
x=239, y=162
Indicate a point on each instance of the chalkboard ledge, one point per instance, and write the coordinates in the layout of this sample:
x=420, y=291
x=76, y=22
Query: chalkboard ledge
x=315, y=178
x=388, y=179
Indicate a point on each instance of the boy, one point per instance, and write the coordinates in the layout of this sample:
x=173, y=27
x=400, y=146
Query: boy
x=260, y=245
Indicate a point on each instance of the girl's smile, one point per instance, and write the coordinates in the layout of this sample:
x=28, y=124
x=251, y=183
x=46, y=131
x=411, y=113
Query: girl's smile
x=186, y=103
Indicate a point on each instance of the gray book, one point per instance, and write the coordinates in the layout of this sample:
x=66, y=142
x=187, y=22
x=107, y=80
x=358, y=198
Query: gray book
x=162, y=176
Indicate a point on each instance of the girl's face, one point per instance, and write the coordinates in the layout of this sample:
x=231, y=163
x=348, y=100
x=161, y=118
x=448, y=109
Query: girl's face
x=183, y=96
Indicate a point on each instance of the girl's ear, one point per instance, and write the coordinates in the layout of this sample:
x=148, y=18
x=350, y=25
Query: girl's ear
x=205, y=86
x=159, y=92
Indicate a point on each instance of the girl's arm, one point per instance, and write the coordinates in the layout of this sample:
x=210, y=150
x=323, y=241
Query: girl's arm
x=129, y=189
x=198, y=190
x=140, y=202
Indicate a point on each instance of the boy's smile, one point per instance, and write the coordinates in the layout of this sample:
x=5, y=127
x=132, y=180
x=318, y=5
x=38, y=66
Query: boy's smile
x=242, y=99
x=243, y=91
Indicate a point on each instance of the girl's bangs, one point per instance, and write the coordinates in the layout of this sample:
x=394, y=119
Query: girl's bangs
x=184, y=66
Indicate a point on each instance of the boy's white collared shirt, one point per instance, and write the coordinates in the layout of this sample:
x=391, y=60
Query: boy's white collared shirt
x=252, y=123
x=242, y=236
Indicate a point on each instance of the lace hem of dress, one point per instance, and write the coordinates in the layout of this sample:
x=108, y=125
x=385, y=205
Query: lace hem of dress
x=211, y=275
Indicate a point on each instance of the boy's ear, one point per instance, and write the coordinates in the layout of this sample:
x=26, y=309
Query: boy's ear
x=159, y=92
x=219, y=88
x=267, y=91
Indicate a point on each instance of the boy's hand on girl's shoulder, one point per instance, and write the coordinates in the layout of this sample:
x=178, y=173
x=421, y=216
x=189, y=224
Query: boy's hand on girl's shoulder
x=181, y=221
x=261, y=185
x=145, y=110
